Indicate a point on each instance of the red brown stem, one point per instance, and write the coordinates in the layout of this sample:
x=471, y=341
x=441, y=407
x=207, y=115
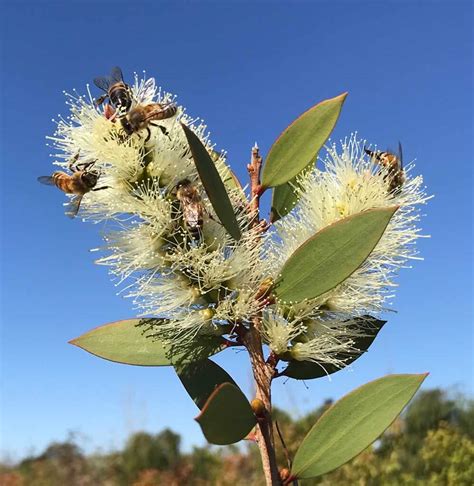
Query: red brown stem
x=263, y=372
x=254, y=169
x=291, y=479
x=263, y=375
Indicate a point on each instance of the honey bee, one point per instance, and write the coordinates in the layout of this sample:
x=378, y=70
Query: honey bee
x=393, y=163
x=119, y=93
x=191, y=207
x=82, y=180
x=142, y=116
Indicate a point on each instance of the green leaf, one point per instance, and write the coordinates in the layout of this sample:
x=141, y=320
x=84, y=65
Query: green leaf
x=353, y=423
x=284, y=198
x=330, y=256
x=229, y=178
x=299, y=143
x=131, y=342
x=213, y=185
x=306, y=370
x=227, y=416
x=201, y=378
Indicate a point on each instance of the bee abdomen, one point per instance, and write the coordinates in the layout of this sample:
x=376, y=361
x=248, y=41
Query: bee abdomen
x=120, y=96
x=62, y=181
x=397, y=179
x=167, y=112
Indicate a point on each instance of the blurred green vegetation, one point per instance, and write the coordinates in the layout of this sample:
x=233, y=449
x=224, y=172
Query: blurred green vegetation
x=431, y=444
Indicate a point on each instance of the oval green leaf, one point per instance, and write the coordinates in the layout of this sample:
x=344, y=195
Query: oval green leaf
x=212, y=183
x=353, y=423
x=130, y=342
x=307, y=370
x=299, y=143
x=330, y=256
x=201, y=379
x=227, y=416
x=229, y=178
x=286, y=196
x=284, y=199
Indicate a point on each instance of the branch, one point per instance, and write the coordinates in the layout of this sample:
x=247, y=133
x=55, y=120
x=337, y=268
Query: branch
x=254, y=169
x=262, y=372
x=289, y=478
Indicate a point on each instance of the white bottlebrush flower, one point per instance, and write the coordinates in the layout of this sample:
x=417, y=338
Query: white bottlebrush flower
x=186, y=325
x=166, y=272
x=350, y=183
x=330, y=340
x=279, y=332
x=197, y=284
x=164, y=294
x=133, y=249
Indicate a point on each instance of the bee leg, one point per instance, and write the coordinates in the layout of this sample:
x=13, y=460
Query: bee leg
x=72, y=162
x=100, y=188
x=100, y=100
x=163, y=129
x=370, y=153
x=85, y=165
x=148, y=131
x=196, y=234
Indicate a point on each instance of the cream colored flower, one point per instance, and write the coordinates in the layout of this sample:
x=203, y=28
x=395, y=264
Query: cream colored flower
x=351, y=183
x=148, y=248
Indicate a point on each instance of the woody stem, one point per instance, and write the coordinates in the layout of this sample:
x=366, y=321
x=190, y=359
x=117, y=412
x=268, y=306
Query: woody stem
x=263, y=372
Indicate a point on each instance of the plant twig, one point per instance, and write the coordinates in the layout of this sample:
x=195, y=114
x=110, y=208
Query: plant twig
x=263, y=375
x=254, y=169
x=285, y=449
x=262, y=372
x=287, y=455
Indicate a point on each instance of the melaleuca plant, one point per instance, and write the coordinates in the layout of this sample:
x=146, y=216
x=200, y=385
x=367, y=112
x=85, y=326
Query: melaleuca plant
x=301, y=290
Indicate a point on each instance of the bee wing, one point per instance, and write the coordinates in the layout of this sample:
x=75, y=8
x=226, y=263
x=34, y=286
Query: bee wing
x=192, y=214
x=48, y=180
x=400, y=154
x=192, y=210
x=102, y=83
x=73, y=206
x=155, y=114
x=148, y=91
x=116, y=74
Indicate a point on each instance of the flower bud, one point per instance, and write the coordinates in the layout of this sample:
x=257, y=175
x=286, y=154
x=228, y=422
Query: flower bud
x=196, y=293
x=284, y=474
x=264, y=289
x=258, y=407
x=207, y=314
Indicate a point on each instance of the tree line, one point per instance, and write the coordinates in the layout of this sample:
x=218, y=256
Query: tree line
x=432, y=444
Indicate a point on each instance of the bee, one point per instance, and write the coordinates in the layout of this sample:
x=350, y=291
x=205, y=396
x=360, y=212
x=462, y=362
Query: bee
x=82, y=181
x=191, y=207
x=119, y=93
x=393, y=163
x=142, y=116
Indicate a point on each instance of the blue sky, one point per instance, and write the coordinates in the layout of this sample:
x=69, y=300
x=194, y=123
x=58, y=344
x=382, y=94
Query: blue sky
x=248, y=69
